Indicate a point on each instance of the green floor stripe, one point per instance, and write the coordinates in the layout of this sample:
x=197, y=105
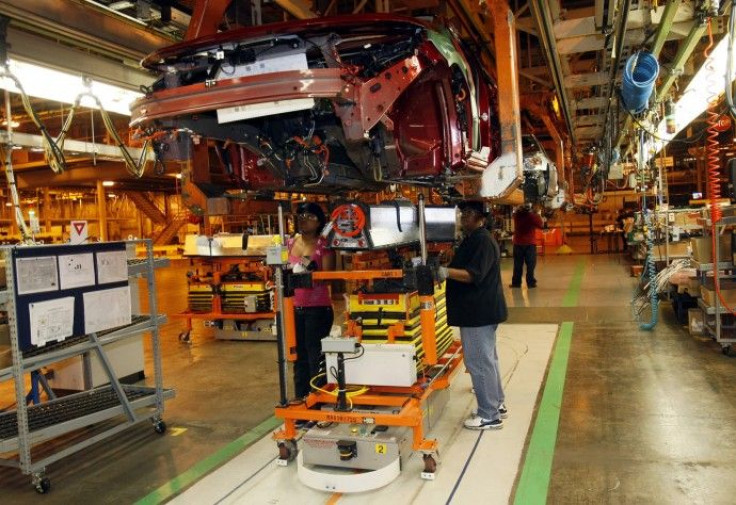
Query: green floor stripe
x=199, y=470
x=573, y=292
x=535, y=476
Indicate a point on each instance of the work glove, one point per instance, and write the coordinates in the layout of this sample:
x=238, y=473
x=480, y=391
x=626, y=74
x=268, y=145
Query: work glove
x=441, y=274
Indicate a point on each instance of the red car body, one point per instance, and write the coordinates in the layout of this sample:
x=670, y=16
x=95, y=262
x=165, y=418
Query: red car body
x=328, y=104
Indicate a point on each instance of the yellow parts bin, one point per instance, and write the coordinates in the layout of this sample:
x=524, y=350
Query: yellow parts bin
x=200, y=297
x=395, y=317
x=245, y=297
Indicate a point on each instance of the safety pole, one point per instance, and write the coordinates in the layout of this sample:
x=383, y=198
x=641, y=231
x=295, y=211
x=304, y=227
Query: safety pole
x=280, y=318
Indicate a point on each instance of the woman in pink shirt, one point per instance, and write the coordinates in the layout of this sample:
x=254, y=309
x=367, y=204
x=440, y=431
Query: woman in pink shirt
x=313, y=307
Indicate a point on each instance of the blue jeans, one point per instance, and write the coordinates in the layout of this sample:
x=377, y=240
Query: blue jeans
x=481, y=360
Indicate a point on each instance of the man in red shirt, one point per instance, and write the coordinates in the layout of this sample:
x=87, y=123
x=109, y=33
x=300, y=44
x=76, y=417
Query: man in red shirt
x=526, y=223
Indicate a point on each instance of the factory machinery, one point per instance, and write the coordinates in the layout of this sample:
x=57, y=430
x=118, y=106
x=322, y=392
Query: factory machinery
x=387, y=370
x=230, y=287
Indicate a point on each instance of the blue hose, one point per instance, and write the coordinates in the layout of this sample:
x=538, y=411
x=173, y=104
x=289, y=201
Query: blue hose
x=650, y=271
x=640, y=73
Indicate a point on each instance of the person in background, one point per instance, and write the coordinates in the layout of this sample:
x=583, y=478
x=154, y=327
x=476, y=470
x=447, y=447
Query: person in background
x=313, y=307
x=526, y=224
x=475, y=303
x=624, y=219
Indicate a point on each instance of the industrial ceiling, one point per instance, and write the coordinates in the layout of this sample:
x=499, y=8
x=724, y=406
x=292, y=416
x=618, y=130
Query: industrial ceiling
x=570, y=52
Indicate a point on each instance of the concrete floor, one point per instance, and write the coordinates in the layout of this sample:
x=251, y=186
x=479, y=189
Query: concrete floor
x=644, y=415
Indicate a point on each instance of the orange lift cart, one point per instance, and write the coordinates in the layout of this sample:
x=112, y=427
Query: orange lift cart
x=230, y=287
x=387, y=372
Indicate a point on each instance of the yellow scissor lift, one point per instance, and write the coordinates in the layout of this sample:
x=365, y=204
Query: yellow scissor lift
x=417, y=317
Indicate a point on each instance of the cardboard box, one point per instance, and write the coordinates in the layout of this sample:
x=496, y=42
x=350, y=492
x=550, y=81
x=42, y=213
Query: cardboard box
x=685, y=219
x=676, y=249
x=3, y=276
x=695, y=322
x=703, y=250
x=4, y=335
x=728, y=291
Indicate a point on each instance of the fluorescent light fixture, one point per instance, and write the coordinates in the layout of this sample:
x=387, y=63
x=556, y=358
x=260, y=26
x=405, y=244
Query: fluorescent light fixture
x=694, y=101
x=13, y=124
x=108, y=184
x=50, y=84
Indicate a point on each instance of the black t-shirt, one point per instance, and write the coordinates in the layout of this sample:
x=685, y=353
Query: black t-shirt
x=481, y=302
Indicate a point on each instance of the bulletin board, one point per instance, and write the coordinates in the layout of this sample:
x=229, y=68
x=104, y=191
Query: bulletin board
x=63, y=291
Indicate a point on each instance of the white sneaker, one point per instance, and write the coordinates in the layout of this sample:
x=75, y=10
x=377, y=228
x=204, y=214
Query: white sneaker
x=478, y=423
x=503, y=412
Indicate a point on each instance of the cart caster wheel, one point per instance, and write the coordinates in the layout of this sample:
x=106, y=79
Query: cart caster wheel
x=287, y=452
x=430, y=467
x=159, y=427
x=184, y=337
x=43, y=486
x=430, y=464
x=726, y=350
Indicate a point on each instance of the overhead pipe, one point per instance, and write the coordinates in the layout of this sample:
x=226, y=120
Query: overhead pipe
x=540, y=10
x=664, y=26
x=615, y=57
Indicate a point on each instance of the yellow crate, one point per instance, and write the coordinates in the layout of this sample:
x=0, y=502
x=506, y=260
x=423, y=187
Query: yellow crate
x=389, y=302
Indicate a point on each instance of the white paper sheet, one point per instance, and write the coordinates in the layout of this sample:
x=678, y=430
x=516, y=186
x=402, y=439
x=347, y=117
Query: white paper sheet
x=107, y=308
x=112, y=266
x=51, y=320
x=36, y=275
x=76, y=270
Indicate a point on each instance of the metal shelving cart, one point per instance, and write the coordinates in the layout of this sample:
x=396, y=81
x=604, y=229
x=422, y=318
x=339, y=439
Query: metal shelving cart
x=111, y=408
x=712, y=314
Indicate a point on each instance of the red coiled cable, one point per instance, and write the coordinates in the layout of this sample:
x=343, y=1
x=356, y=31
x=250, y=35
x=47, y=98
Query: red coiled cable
x=713, y=158
x=713, y=162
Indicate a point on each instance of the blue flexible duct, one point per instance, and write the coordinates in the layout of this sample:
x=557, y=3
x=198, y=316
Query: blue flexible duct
x=650, y=271
x=640, y=74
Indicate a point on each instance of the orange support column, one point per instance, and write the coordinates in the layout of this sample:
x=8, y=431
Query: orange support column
x=102, y=211
x=427, y=318
x=287, y=312
x=507, y=76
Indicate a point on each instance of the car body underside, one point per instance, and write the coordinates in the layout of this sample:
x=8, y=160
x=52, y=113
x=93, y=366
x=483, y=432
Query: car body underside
x=329, y=104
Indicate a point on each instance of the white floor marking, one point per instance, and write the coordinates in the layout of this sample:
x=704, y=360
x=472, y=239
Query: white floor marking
x=253, y=478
